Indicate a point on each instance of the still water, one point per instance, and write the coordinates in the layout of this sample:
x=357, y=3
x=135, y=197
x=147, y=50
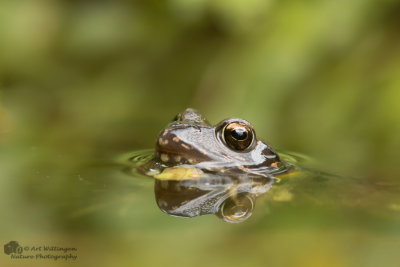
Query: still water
x=114, y=215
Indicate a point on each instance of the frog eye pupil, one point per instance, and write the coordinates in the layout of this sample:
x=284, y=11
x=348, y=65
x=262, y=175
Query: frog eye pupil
x=237, y=136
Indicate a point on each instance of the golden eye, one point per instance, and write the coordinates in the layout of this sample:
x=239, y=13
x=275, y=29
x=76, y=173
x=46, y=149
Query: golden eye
x=238, y=136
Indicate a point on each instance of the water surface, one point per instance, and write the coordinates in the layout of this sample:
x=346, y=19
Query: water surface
x=112, y=214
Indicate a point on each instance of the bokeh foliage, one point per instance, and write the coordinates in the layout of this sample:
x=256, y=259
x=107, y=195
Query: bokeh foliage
x=320, y=77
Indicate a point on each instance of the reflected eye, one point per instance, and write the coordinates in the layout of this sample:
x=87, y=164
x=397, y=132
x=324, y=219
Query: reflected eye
x=236, y=208
x=237, y=136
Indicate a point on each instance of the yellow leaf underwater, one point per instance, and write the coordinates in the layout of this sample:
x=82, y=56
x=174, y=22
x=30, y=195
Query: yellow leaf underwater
x=179, y=173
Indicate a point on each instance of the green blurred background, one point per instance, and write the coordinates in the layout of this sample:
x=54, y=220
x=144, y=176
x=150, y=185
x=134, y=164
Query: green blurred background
x=319, y=77
x=84, y=80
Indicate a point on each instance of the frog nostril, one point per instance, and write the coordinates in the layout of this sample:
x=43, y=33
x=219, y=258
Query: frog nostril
x=178, y=117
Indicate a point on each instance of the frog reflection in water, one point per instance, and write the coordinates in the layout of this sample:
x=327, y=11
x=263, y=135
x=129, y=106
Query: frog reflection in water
x=204, y=169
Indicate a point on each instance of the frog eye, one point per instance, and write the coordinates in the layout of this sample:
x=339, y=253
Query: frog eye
x=238, y=135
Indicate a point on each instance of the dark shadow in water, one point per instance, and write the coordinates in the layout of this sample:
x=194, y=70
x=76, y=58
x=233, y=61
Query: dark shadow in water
x=232, y=200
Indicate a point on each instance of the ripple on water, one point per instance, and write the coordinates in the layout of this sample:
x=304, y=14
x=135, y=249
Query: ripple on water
x=189, y=191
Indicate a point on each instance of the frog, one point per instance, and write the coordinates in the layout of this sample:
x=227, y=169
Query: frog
x=191, y=147
x=219, y=169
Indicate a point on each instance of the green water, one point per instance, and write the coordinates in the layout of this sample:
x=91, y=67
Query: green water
x=105, y=209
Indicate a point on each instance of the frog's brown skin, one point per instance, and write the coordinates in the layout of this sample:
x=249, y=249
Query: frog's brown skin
x=191, y=140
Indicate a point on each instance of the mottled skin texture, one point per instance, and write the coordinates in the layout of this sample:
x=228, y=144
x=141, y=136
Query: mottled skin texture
x=191, y=140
